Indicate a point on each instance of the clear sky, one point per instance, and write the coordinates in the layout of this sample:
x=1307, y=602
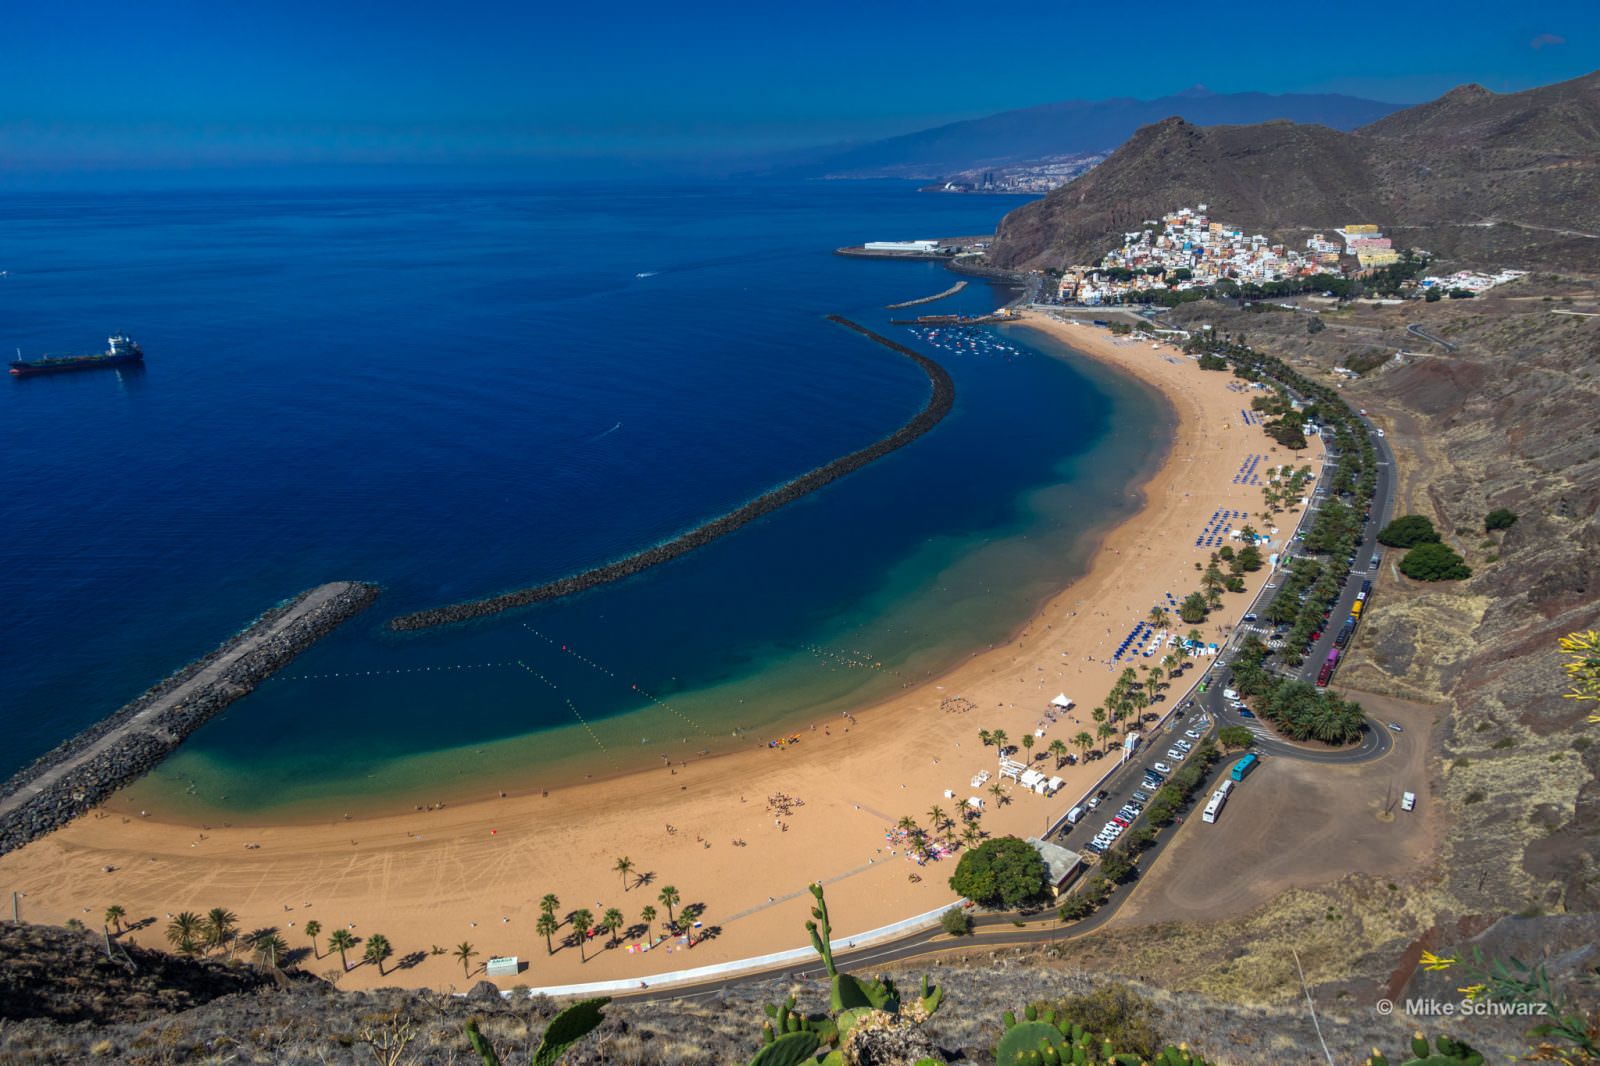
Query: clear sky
x=111, y=85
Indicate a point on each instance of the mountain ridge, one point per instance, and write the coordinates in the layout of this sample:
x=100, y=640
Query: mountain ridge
x=1511, y=179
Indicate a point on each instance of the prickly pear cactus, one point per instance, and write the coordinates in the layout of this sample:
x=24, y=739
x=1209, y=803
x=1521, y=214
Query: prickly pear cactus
x=1032, y=1043
x=790, y=1049
x=1449, y=1053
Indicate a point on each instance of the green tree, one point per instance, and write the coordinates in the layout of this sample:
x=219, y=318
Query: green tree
x=1235, y=736
x=466, y=953
x=1075, y=907
x=1084, y=741
x=1000, y=739
x=114, y=916
x=1193, y=608
x=378, y=949
x=1499, y=518
x=184, y=932
x=1002, y=872
x=269, y=948
x=955, y=922
x=668, y=897
x=1116, y=865
x=313, y=929
x=624, y=866
x=648, y=917
x=611, y=921
x=219, y=927
x=342, y=940
x=1434, y=562
x=998, y=791
x=1027, y=745
x=549, y=904
x=582, y=921
x=1058, y=748
x=1408, y=531
x=547, y=926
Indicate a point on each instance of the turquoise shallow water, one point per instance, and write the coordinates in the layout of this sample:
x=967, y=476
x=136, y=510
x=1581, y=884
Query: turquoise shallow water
x=454, y=392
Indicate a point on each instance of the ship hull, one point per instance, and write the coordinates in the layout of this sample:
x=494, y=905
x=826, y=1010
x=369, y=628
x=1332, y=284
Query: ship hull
x=26, y=369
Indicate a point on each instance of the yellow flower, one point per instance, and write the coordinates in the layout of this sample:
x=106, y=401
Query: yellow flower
x=1430, y=961
x=1473, y=992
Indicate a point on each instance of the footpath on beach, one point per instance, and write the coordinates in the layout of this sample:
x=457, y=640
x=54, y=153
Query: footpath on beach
x=80, y=773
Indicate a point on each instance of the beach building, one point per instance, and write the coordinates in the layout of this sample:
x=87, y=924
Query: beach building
x=1061, y=865
x=918, y=247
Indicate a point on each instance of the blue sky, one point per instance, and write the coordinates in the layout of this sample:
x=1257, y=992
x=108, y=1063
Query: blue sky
x=92, y=86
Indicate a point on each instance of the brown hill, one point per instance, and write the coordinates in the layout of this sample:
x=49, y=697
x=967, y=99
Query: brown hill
x=1505, y=180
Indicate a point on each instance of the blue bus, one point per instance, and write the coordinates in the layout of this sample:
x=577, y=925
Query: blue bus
x=1244, y=766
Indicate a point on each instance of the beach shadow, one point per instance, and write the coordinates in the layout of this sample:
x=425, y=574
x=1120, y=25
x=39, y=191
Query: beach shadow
x=644, y=880
x=635, y=931
x=294, y=957
x=142, y=923
x=410, y=961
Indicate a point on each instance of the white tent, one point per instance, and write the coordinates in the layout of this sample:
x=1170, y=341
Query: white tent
x=1061, y=701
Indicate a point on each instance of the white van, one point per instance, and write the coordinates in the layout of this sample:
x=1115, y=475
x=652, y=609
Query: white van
x=1230, y=694
x=1074, y=815
x=1408, y=801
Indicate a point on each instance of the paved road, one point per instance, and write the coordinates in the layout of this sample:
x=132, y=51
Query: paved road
x=1417, y=331
x=1202, y=714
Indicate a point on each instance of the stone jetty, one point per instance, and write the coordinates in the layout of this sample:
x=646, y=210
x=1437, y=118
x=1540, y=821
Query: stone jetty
x=79, y=774
x=941, y=399
x=951, y=291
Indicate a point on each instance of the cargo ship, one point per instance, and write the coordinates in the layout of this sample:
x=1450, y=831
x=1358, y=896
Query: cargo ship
x=121, y=351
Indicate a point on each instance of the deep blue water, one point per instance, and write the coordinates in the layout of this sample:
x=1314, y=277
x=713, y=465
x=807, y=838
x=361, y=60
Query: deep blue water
x=457, y=391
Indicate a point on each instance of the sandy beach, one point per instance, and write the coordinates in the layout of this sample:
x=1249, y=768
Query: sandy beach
x=740, y=834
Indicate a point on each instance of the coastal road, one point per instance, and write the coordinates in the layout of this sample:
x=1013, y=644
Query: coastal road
x=1194, y=719
x=1417, y=331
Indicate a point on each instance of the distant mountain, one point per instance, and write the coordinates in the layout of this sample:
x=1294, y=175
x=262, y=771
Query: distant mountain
x=1074, y=127
x=1510, y=179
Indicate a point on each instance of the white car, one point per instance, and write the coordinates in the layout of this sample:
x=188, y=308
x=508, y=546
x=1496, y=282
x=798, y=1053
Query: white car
x=1408, y=801
x=1183, y=745
x=1193, y=734
x=1162, y=768
x=1175, y=755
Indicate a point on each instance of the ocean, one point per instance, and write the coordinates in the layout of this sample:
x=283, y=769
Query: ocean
x=458, y=391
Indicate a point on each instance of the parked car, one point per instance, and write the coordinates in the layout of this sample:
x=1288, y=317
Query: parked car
x=1175, y=755
x=1096, y=847
x=1245, y=712
x=1408, y=801
x=1102, y=794
x=1250, y=618
x=1396, y=727
x=1183, y=745
x=1120, y=822
x=1142, y=797
x=1163, y=768
x=1094, y=801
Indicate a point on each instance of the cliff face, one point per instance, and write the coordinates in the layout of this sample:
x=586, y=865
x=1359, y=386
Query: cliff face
x=1508, y=180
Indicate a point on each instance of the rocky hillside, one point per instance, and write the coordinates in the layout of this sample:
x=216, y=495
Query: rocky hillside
x=1502, y=179
x=237, y=1013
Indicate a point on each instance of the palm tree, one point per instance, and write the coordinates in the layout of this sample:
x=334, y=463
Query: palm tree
x=907, y=825
x=648, y=917
x=269, y=949
x=114, y=916
x=624, y=866
x=1084, y=741
x=1027, y=745
x=313, y=929
x=669, y=898
x=549, y=904
x=466, y=953
x=1058, y=748
x=1152, y=686
x=1158, y=615
x=378, y=949
x=985, y=736
x=183, y=932
x=971, y=836
x=582, y=922
x=547, y=926
x=1000, y=739
x=999, y=793
x=219, y=927
x=342, y=940
x=611, y=921
x=1105, y=731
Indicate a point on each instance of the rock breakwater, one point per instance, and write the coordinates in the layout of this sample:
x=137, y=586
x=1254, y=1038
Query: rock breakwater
x=941, y=399
x=80, y=773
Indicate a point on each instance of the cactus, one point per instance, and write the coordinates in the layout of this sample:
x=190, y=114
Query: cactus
x=564, y=1030
x=1449, y=1053
x=790, y=1049
x=1032, y=1043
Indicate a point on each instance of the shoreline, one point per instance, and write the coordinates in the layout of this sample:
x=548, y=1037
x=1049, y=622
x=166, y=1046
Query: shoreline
x=478, y=868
